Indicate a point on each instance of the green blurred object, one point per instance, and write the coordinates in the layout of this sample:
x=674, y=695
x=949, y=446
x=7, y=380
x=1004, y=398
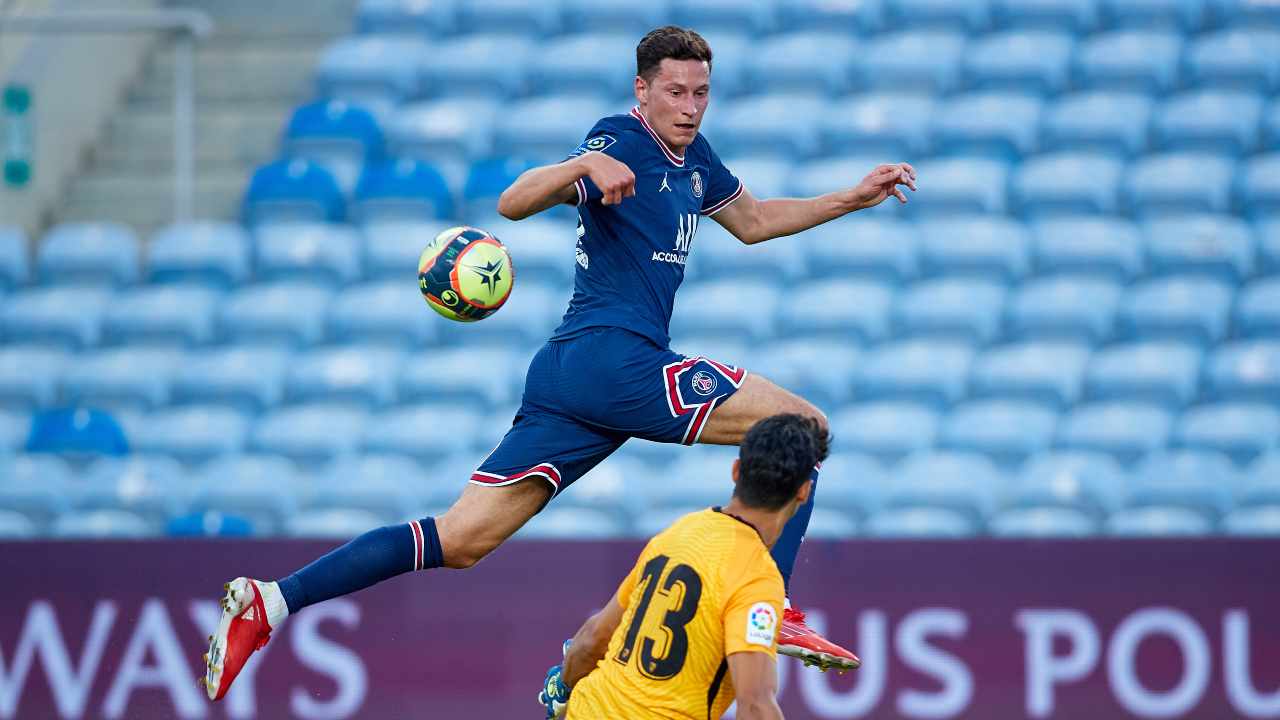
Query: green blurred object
x=18, y=145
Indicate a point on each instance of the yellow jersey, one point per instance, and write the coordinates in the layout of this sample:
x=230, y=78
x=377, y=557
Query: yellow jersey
x=703, y=589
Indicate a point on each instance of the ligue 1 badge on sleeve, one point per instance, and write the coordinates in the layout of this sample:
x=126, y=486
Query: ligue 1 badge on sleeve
x=697, y=184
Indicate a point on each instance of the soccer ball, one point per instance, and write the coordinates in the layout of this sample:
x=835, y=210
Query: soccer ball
x=465, y=274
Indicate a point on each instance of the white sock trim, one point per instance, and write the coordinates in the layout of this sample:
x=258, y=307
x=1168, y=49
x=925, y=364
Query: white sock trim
x=273, y=601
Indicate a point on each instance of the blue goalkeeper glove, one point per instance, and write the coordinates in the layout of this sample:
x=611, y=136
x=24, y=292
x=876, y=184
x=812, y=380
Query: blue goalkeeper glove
x=555, y=694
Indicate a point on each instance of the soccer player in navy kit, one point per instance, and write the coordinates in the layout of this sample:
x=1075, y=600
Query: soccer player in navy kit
x=642, y=183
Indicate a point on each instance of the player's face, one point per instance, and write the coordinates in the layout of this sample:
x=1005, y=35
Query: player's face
x=675, y=100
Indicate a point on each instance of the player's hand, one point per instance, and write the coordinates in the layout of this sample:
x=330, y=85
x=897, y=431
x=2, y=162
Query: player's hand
x=883, y=182
x=555, y=694
x=615, y=179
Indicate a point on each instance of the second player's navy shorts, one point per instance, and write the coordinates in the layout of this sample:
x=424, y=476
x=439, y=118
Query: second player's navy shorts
x=585, y=396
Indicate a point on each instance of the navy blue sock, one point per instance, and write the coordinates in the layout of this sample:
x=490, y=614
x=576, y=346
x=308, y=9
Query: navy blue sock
x=788, y=545
x=368, y=559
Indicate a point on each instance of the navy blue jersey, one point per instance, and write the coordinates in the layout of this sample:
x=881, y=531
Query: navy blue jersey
x=631, y=256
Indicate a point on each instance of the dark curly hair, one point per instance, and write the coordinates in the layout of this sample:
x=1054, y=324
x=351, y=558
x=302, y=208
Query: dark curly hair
x=669, y=41
x=776, y=457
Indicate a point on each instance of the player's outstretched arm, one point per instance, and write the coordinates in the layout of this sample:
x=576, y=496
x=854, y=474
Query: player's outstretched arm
x=591, y=642
x=752, y=221
x=550, y=185
x=755, y=677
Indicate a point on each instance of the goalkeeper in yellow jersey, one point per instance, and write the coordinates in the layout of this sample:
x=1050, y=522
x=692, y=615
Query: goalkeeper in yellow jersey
x=695, y=623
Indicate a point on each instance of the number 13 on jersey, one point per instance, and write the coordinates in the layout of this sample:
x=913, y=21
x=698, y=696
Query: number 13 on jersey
x=678, y=590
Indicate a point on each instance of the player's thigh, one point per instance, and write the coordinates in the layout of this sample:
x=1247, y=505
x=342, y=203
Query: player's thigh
x=758, y=398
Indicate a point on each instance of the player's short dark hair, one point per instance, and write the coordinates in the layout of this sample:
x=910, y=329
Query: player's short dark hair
x=669, y=41
x=776, y=457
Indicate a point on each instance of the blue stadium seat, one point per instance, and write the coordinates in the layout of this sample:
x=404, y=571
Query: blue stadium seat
x=333, y=523
x=1258, y=309
x=696, y=479
x=851, y=309
x=1262, y=486
x=1161, y=372
x=15, y=426
x=14, y=268
x=336, y=134
x=389, y=485
x=1046, y=373
x=718, y=308
x=573, y=523
x=1090, y=482
x=1042, y=523
x=1156, y=521
x=547, y=127
x=262, y=489
x=307, y=252
x=853, y=483
x=1186, y=308
x=284, y=313
x=726, y=350
x=635, y=19
x=427, y=433
x=651, y=522
x=37, y=486
x=878, y=248
x=1247, y=58
x=724, y=15
x=453, y=129
x=819, y=369
x=852, y=16
x=1175, y=183
x=528, y=317
x=895, y=125
x=888, y=431
x=245, y=377
x=1219, y=247
x=720, y=255
x=209, y=253
x=510, y=16
x=1005, y=431
x=172, y=315
x=732, y=49
x=765, y=176
x=1079, y=16
x=819, y=60
x=30, y=375
x=819, y=177
x=99, y=524
x=1102, y=247
x=1268, y=245
x=105, y=254
x=311, y=434
x=375, y=17
x=1202, y=480
x=389, y=313
x=293, y=190
x=919, y=370
x=1144, y=61
x=487, y=178
x=1125, y=430
x=16, y=526
x=154, y=487
x=828, y=524
x=356, y=375
x=557, y=67
x=1068, y=308
x=951, y=308
x=951, y=189
x=1034, y=61
x=913, y=61
x=782, y=124
x=1243, y=430
x=391, y=249
x=965, y=482
x=1271, y=127
x=959, y=15
x=192, y=433
x=1068, y=184
x=609, y=486
x=77, y=433
x=1176, y=14
x=1253, y=522
x=1002, y=125
x=1261, y=185
x=1107, y=122
x=485, y=65
x=1248, y=370
x=376, y=72
x=67, y=317
x=1246, y=13
x=403, y=190
x=211, y=523
x=988, y=248
x=127, y=378
x=920, y=523
x=1214, y=121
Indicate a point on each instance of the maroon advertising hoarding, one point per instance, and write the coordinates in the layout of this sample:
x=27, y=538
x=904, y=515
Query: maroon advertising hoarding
x=984, y=629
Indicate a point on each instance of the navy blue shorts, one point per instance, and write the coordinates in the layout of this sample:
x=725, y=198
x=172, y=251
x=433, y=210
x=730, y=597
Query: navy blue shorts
x=585, y=396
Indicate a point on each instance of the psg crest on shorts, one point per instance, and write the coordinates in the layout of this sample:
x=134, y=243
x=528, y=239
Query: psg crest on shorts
x=704, y=383
x=697, y=184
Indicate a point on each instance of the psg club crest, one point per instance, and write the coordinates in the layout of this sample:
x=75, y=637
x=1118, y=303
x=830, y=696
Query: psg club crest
x=697, y=184
x=704, y=383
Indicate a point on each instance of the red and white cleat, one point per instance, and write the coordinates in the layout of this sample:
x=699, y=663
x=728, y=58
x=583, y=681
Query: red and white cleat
x=242, y=630
x=802, y=642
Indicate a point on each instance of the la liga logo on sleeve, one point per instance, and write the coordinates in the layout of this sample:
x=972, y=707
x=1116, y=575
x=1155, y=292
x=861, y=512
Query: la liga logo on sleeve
x=762, y=624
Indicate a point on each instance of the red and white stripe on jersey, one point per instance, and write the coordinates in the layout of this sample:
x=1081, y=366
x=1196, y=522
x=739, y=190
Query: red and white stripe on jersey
x=582, y=190
x=701, y=411
x=419, y=544
x=673, y=158
x=547, y=471
x=725, y=202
